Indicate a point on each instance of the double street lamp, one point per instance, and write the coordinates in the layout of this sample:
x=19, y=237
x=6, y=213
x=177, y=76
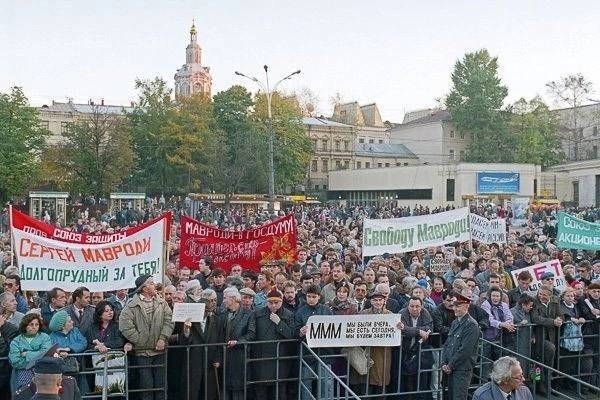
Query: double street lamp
x=269, y=92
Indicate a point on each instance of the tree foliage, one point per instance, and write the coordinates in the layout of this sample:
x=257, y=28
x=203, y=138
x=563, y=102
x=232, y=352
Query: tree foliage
x=292, y=147
x=535, y=128
x=167, y=135
x=95, y=154
x=475, y=103
x=22, y=141
x=573, y=91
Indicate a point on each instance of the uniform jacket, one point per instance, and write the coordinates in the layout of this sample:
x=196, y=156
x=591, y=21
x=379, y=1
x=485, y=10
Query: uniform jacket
x=491, y=391
x=460, y=350
x=144, y=331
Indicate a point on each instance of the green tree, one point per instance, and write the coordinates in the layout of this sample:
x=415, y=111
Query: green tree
x=22, y=141
x=292, y=146
x=535, y=128
x=96, y=153
x=236, y=150
x=475, y=103
x=167, y=135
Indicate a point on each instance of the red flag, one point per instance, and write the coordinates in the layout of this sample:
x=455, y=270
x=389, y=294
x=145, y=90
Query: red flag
x=273, y=241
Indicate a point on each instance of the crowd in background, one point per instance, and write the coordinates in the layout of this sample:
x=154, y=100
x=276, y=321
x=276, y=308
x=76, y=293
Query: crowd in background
x=330, y=276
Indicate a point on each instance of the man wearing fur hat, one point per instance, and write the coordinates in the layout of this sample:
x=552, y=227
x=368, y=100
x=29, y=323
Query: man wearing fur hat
x=146, y=323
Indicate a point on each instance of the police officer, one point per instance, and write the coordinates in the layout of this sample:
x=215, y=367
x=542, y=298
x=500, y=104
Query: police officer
x=459, y=354
x=48, y=377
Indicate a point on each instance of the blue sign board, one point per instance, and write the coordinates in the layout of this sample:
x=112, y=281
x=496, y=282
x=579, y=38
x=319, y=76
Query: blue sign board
x=498, y=182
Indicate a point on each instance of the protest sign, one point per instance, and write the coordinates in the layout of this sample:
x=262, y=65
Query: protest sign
x=46, y=263
x=183, y=311
x=273, y=241
x=520, y=207
x=538, y=269
x=28, y=224
x=439, y=267
x=488, y=231
x=353, y=330
x=398, y=235
x=575, y=233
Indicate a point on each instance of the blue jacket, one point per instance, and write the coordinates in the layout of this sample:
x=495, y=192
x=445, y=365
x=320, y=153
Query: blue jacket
x=22, y=306
x=35, y=349
x=73, y=340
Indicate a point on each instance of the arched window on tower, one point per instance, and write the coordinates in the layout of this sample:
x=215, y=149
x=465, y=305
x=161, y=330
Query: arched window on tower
x=185, y=88
x=198, y=87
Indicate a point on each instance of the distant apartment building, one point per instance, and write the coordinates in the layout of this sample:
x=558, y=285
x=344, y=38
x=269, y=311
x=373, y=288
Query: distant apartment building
x=430, y=136
x=580, y=131
x=57, y=116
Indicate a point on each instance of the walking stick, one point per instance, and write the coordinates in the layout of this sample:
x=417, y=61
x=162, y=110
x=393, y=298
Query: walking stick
x=217, y=382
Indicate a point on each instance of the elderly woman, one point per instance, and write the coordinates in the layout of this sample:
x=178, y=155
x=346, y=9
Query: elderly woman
x=501, y=326
x=571, y=341
x=26, y=348
x=65, y=335
x=8, y=307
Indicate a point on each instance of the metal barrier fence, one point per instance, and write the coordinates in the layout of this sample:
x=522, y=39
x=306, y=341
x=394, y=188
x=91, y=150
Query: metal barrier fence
x=288, y=369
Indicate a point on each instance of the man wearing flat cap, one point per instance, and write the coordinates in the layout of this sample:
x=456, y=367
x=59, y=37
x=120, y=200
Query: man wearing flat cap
x=459, y=353
x=146, y=323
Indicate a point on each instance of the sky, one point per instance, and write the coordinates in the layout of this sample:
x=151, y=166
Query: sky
x=396, y=53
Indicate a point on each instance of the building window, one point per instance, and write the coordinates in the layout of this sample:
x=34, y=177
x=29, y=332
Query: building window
x=324, y=187
x=337, y=145
x=358, y=165
x=347, y=164
x=44, y=124
x=325, y=165
x=64, y=126
x=346, y=145
x=451, y=155
x=314, y=166
x=450, y=183
x=405, y=164
x=361, y=140
x=462, y=135
x=387, y=164
x=398, y=164
x=452, y=134
x=338, y=164
x=315, y=143
x=595, y=152
x=379, y=165
x=316, y=187
x=380, y=141
x=595, y=131
x=576, y=192
x=324, y=144
x=371, y=141
x=462, y=155
x=367, y=164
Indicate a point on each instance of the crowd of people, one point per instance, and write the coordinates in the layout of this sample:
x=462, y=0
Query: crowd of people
x=261, y=314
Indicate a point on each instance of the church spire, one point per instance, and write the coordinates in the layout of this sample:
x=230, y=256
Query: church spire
x=193, y=32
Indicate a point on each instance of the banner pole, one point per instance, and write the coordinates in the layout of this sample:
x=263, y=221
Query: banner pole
x=166, y=252
x=10, y=232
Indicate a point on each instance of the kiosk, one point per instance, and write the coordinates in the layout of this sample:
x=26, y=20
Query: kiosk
x=119, y=201
x=49, y=206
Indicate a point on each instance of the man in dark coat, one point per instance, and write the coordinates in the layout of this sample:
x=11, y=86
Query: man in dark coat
x=8, y=332
x=273, y=323
x=417, y=325
x=236, y=327
x=546, y=317
x=57, y=299
x=80, y=311
x=459, y=353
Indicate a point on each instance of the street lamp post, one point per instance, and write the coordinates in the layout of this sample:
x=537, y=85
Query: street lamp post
x=269, y=93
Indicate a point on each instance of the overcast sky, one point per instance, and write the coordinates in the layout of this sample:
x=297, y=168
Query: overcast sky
x=397, y=53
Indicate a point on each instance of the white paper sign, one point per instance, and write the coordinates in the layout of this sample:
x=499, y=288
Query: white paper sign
x=353, y=330
x=538, y=269
x=488, y=231
x=183, y=311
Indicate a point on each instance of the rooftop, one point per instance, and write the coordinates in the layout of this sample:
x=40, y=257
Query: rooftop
x=383, y=149
x=434, y=116
x=87, y=108
x=319, y=121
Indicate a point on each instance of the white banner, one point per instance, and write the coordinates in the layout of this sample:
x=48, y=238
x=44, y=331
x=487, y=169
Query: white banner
x=399, y=235
x=488, y=231
x=353, y=330
x=538, y=269
x=47, y=263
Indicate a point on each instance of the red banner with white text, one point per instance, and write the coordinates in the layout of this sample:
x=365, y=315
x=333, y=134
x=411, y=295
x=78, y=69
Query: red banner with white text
x=31, y=225
x=273, y=241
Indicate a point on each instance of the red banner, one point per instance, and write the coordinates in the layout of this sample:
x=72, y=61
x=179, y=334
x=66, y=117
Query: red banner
x=31, y=225
x=270, y=242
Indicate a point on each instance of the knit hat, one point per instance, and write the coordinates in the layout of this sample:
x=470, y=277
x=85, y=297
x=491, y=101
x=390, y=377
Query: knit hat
x=140, y=281
x=274, y=295
x=547, y=275
x=423, y=283
x=191, y=285
x=58, y=321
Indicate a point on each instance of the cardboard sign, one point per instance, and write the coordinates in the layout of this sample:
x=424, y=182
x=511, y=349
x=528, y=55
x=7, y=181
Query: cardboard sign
x=538, y=269
x=439, y=267
x=183, y=311
x=353, y=330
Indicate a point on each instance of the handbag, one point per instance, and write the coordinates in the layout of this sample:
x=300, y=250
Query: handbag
x=70, y=365
x=572, y=339
x=358, y=359
x=411, y=358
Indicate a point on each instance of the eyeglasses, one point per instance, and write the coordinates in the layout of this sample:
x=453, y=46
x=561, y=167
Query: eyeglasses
x=518, y=377
x=8, y=284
